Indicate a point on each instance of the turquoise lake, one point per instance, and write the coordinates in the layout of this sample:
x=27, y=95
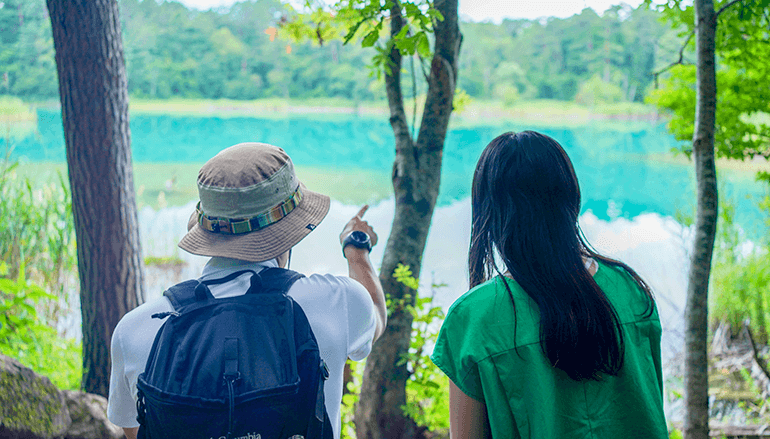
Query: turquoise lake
x=619, y=170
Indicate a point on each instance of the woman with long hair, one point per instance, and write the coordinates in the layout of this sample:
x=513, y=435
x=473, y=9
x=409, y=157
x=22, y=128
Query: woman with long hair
x=553, y=340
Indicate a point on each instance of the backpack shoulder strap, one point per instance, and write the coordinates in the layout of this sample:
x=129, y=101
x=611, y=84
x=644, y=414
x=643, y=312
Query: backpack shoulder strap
x=273, y=280
x=278, y=280
x=191, y=291
x=181, y=294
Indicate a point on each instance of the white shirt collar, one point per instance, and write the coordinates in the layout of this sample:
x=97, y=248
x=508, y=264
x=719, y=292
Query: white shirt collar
x=219, y=267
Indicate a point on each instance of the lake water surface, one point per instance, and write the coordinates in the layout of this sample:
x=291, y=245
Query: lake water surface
x=619, y=168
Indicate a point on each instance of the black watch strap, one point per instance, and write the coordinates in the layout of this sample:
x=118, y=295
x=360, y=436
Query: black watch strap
x=357, y=239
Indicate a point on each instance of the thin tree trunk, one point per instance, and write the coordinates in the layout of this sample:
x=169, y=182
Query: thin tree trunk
x=696, y=314
x=416, y=179
x=94, y=99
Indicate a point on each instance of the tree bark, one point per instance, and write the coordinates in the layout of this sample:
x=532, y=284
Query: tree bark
x=696, y=314
x=416, y=178
x=94, y=100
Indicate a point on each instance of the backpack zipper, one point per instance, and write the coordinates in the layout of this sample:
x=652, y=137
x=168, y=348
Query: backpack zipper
x=140, y=408
x=163, y=315
x=230, y=380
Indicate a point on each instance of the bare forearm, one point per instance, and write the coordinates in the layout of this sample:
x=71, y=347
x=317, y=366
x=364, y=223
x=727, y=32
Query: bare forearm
x=131, y=432
x=467, y=416
x=361, y=269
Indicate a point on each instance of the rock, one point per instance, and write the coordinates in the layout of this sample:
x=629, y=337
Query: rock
x=720, y=341
x=30, y=405
x=89, y=417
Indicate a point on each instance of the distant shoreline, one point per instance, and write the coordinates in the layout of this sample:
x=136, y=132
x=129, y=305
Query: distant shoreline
x=538, y=111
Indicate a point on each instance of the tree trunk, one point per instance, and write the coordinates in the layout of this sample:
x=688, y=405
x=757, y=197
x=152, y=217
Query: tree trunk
x=416, y=177
x=696, y=314
x=94, y=100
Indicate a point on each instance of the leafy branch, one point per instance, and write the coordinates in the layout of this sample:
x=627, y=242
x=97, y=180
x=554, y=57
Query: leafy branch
x=365, y=19
x=680, y=60
x=727, y=6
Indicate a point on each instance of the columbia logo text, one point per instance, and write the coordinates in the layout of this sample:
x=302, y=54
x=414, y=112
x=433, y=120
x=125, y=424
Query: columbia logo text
x=247, y=436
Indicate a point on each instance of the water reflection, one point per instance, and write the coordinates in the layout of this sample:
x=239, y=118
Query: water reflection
x=652, y=244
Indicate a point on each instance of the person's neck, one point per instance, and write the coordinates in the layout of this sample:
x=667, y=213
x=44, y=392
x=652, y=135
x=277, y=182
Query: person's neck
x=592, y=268
x=219, y=262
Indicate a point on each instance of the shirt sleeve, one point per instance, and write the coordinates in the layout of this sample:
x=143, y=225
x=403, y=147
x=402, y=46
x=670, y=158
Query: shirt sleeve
x=450, y=355
x=121, y=407
x=361, y=319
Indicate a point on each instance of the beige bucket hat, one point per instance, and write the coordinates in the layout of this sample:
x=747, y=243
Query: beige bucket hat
x=252, y=207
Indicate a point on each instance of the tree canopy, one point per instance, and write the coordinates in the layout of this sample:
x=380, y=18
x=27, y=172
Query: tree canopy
x=176, y=52
x=743, y=97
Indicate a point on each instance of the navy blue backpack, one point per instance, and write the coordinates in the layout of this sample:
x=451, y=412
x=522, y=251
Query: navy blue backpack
x=244, y=367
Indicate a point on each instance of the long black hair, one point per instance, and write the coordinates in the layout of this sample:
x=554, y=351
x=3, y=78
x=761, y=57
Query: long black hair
x=525, y=207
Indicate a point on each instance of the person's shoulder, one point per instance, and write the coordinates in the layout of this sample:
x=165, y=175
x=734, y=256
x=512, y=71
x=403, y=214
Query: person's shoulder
x=332, y=287
x=476, y=295
x=476, y=300
x=615, y=279
x=628, y=297
x=464, y=339
x=330, y=281
x=142, y=314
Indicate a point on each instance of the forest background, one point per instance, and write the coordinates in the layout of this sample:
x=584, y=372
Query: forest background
x=238, y=53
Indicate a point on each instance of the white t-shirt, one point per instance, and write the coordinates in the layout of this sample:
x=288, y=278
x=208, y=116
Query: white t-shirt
x=339, y=309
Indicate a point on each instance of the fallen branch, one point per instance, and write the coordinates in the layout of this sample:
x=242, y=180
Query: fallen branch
x=757, y=359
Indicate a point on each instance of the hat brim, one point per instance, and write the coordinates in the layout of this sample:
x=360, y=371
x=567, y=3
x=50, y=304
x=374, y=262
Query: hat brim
x=263, y=244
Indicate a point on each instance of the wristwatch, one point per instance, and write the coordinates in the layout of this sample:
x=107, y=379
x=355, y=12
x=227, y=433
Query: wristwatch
x=357, y=239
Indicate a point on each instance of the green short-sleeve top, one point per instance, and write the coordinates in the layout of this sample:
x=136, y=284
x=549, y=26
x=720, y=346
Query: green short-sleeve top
x=525, y=396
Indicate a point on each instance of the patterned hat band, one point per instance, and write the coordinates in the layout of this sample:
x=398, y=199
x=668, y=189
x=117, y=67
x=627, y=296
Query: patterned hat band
x=240, y=226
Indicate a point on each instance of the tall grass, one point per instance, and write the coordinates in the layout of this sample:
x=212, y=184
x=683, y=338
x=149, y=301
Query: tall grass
x=741, y=279
x=37, y=275
x=39, y=233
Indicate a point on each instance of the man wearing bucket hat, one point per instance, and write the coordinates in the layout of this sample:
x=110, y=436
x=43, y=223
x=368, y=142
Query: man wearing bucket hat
x=252, y=211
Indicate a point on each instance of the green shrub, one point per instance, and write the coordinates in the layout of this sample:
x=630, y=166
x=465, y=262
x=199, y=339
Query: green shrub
x=507, y=94
x=596, y=91
x=13, y=108
x=28, y=338
x=427, y=389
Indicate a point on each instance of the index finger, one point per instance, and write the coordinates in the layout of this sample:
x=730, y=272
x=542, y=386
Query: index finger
x=361, y=212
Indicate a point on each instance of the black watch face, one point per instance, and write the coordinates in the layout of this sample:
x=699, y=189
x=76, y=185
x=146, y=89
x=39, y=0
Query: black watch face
x=359, y=236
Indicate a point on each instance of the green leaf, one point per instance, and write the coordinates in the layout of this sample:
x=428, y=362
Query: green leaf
x=401, y=33
x=435, y=14
x=412, y=10
x=352, y=32
x=431, y=384
x=9, y=286
x=405, y=45
x=370, y=38
x=423, y=45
